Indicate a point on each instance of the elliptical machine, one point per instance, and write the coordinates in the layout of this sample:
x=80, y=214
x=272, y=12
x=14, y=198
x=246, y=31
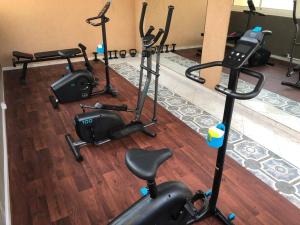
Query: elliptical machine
x=173, y=202
x=102, y=124
x=292, y=67
x=79, y=84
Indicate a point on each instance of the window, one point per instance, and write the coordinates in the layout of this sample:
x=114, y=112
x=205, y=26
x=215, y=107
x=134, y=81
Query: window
x=278, y=4
x=271, y=4
x=244, y=2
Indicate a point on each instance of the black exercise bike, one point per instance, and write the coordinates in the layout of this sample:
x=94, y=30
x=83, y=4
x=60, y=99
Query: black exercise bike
x=173, y=203
x=79, y=84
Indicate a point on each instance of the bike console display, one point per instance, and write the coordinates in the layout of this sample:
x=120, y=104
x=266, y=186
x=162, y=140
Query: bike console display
x=245, y=47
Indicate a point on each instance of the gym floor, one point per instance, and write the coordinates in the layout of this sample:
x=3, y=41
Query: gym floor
x=49, y=187
x=273, y=74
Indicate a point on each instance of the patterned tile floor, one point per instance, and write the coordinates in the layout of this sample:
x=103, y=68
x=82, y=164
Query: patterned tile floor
x=263, y=163
x=280, y=102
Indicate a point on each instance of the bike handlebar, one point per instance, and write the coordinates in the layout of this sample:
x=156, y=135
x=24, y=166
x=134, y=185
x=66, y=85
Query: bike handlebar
x=101, y=15
x=224, y=90
x=245, y=96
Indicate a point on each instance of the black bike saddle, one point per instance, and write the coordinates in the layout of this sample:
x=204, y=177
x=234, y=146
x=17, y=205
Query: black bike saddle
x=144, y=164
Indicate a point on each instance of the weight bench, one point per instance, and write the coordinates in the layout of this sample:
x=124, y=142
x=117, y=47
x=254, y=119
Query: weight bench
x=26, y=58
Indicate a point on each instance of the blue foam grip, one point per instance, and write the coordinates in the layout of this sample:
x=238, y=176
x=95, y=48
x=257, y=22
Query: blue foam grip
x=144, y=191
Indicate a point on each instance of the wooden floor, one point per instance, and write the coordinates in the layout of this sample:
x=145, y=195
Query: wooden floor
x=48, y=187
x=274, y=75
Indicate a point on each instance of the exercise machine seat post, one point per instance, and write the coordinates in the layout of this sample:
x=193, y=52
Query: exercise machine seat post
x=172, y=202
x=292, y=69
x=102, y=123
x=108, y=89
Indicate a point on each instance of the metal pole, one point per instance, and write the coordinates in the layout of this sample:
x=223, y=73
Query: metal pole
x=104, y=20
x=143, y=96
x=228, y=111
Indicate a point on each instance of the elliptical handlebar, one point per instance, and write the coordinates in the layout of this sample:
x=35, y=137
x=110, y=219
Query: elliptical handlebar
x=101, y=15
x=153, y=39
x=168, y=25
x=142, y=20
x=295, y=12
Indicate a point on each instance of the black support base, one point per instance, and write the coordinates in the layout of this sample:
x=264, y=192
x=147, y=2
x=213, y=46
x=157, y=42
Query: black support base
x=74, y=148
x=109, y=90
x=290, y=84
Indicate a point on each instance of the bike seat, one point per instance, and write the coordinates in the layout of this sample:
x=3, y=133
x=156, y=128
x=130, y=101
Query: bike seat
x=68, y=53
x=144, y=164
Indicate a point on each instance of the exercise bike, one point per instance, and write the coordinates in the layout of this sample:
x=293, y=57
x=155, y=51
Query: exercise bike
x=173, y=203
x=262, y=56
x=292, y=67
x=102, y=124
x=79, y=84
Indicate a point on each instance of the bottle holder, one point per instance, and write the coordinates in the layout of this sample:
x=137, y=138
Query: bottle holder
x=215, y=137
x=100, y=49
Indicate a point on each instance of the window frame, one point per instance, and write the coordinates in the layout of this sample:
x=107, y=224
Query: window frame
x=267, y=11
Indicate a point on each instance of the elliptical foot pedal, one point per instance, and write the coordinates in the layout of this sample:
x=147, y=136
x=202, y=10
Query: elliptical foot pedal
x=130, y=129
x=74, y=148
x=54, y=101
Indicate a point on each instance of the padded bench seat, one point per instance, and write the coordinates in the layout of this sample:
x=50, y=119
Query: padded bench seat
x=26, y=58
x=50, y=54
